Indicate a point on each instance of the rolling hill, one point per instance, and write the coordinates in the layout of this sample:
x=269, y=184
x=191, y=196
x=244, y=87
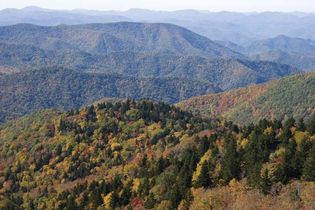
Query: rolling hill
x=290, y=96
x=145, y=155
x=115, y=37
x=23, y=93
x=283, y=49
x=224, y=73
x=283, y=43
x=132, y=49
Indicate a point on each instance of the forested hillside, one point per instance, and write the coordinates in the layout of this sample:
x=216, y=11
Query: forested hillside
x=282, y=49
x=122, y=60
x=115, y=37
x=145, y=155
x=132, y=49
x=291, y=96
x=30, y=91
x=216, y=112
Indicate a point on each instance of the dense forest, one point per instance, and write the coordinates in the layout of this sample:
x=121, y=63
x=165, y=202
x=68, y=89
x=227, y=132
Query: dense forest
x=146, y=155
x=279, y=99
x=71, y=66
x=66, y=89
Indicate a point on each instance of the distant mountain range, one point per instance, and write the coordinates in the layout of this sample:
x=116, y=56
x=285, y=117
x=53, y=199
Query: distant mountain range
x=240, y=28
x=135, y=60
x=132, y=49
x=291, y=96
x=285, y=40
x=282, y=49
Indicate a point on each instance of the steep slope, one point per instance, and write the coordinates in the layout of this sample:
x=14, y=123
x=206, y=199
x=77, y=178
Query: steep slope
x=64, y=89
x=144, y=155
x=291, y=96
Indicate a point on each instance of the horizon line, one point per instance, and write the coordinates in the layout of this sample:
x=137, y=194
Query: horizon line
x=154, y=10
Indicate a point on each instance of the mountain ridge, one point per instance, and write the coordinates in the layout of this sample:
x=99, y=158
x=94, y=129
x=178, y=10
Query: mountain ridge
x=288, y=97
x=25, y=92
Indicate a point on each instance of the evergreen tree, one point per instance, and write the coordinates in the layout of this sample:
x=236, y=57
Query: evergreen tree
x=265, y=183
x=311, y=125
x=256, y=153
x=71, y=205
x=150, y=202
x=203, y=179
x=159, y=166
x=90, y=114
x=175, y=196
x=301, y=125
x=290, y=122
x=291, y=166
x=309, y=166
x=95, y=199
x=203, y=146
x=126, y=194
x=230, y=162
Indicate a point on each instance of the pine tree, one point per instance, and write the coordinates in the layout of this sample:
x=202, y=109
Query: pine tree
x=71, y=205
x=159, y=166
x=287, y=170
x=301, y=125
x=175, y=196
x=90, y=114
x=126, y=194
x=309, y=166
x=230, y=163
x=256, y=153
x=311, y=125
x=203, y=146
x=150, y=202
x=203, y=179
x=265, y=183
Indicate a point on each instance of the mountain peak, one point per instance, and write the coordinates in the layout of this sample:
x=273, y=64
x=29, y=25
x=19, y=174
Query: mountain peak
x=33, y=8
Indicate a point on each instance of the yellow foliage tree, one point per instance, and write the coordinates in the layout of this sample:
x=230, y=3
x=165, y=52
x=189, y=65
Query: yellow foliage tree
x=205, y=157
x=107, y=200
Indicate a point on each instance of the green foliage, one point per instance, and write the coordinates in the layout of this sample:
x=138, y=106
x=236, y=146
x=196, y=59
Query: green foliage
x=49, y=88
x=139, y=60
x=309, y=167
x=231, y=161
x=285, y=98
x=203, y=180
x=103, y=157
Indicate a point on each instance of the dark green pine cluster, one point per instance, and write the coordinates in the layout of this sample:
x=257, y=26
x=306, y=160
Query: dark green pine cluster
x=141, y=154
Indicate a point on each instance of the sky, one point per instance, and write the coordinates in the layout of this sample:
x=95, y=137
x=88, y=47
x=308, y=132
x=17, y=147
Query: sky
x=170, y=5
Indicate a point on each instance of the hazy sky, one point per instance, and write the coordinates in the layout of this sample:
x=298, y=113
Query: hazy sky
x=212, y=5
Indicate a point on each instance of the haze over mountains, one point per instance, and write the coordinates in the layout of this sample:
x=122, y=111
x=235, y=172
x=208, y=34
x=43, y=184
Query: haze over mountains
x=162, y=56
x=297, y=52
x=241, y=32
x=227, y=26
x=87, y=121
x=129, y=59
